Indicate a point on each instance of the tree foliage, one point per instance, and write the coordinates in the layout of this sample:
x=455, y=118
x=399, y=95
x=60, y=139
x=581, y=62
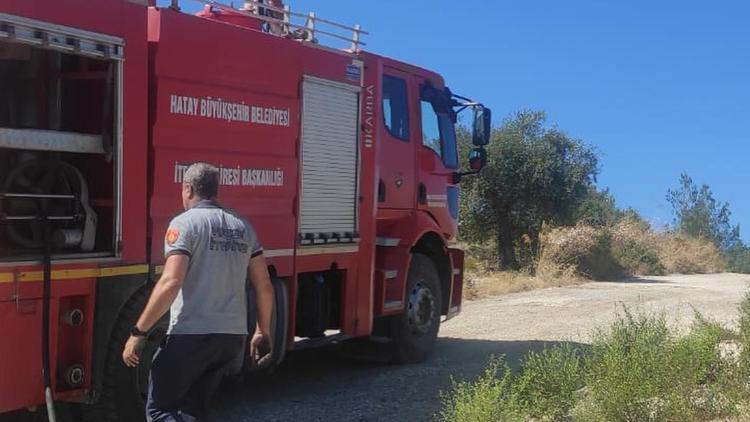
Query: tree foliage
x=698, y=214
x=534, y=175
x=598, y=209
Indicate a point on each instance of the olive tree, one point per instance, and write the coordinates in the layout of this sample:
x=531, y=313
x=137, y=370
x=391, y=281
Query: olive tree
x=534, y=174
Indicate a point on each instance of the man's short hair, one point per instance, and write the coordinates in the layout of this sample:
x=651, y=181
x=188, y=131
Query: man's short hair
x=204, y=179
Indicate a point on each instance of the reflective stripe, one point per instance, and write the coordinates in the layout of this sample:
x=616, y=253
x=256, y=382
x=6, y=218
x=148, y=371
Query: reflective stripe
x=387, y=241
x=323, y=250
x=271, y=253
x=71, y=274
x=268, y=253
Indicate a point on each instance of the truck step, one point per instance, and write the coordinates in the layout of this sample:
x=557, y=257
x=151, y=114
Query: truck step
x=392, y=304
x=311, y=343
x=390, y=274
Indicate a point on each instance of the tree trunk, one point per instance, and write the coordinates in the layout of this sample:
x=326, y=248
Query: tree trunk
x=505, y=245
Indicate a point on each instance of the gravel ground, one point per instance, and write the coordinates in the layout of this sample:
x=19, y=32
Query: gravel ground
x=322, y=386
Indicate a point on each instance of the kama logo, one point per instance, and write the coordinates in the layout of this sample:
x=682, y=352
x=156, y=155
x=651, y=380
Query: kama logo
x=172, y=236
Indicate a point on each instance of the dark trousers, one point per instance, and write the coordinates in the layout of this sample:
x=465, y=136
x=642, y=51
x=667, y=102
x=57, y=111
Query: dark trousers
x=185, y=373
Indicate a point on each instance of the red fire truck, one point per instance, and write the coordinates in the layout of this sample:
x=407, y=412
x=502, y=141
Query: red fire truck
x=345, y=162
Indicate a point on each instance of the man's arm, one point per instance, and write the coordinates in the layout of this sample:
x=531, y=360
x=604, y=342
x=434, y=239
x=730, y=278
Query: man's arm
x=257, y=272
x=261, y=344
x=164, y=293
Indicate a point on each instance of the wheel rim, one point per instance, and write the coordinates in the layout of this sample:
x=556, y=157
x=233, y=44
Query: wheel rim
x=421, y=312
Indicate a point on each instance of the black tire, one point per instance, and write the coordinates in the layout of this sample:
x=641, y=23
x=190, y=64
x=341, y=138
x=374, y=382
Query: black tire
x=280, y=321
x=414, y=332
x=123, y=396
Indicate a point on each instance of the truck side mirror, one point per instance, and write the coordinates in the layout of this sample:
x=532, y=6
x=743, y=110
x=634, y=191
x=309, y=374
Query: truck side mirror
x=482, y=126
x=477, y=159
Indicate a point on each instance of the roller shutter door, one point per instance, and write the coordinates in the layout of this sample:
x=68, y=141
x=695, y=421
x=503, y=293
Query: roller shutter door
x=60, y=38
x=328, y=209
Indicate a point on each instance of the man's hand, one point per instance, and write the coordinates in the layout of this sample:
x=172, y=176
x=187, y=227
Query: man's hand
x=131, y=354
x=260, y=350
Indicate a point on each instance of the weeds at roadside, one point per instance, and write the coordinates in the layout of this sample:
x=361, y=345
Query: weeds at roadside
x=546, y=387
x=488, y=398
x=638, y=369
x=744, y=334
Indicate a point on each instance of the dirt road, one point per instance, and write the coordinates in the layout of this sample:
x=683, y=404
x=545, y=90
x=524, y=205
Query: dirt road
x=319, y=386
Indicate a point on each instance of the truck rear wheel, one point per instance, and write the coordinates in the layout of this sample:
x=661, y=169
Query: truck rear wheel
x=123, y=396
x=414, y=332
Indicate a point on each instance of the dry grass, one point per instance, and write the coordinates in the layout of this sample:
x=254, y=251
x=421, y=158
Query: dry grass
x=676, y=253
x=483, y=279
x=582, y=250
x=686, y=255
x=630, y=247
x=486, y=284
x=566, y=247
x=570, y=255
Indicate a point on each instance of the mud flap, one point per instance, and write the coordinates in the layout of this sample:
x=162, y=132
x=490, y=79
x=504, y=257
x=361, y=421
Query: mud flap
x=457, y=282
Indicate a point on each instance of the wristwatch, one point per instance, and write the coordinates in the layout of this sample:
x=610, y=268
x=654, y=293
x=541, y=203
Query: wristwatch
x=135, y=332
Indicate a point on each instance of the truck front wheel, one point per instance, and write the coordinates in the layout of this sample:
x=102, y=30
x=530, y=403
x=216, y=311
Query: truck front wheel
x=414, y=332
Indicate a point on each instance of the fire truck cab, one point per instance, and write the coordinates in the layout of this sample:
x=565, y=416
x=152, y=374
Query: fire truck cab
x=345, y=162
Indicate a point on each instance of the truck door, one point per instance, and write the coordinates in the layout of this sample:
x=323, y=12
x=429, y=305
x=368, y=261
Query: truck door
x=437, y=158
x=397, y=182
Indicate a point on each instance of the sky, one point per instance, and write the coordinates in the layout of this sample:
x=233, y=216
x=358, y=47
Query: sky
x=657, y=87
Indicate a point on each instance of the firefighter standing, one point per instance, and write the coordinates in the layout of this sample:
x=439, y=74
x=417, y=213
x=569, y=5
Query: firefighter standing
x=210, y=253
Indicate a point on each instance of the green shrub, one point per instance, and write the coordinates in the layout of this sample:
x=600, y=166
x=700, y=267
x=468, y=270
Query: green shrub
x=720, y=383
x=488, y=399
x=627, y=370
x=635, y=247
x=695, y=358
x=639, y=371
x=600, y=263
x=546, y=387
x=639, y=258
x=744, y=334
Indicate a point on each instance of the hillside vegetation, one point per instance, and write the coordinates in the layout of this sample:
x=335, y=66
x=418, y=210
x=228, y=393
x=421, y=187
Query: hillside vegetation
x=535, y=217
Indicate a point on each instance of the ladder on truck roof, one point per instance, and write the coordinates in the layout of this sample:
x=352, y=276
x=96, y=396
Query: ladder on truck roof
x=281, y=22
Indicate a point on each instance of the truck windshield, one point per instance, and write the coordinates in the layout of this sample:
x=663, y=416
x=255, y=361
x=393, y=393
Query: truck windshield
x=439, y=134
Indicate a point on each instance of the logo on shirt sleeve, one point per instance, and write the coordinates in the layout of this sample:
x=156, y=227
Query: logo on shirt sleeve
x=172, y=236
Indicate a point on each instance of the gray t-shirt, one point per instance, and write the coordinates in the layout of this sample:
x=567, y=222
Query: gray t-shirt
x=220, y=244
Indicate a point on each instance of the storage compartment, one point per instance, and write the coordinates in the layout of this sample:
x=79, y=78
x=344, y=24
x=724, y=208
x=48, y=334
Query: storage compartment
x=58, y=150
